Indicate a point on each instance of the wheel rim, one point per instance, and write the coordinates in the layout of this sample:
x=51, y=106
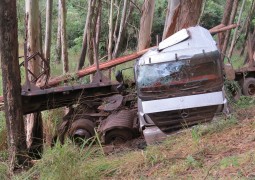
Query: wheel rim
x=251, y=89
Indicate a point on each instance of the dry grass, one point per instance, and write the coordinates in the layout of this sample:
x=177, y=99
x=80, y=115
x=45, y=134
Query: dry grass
x=223, y=149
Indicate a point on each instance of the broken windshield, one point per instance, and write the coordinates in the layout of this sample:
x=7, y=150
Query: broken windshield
x=199, y=74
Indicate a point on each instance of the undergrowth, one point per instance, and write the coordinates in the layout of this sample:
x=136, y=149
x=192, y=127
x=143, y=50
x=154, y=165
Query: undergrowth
x=169, y=159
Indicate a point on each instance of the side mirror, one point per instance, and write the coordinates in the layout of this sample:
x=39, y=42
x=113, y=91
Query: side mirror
x=119, y=76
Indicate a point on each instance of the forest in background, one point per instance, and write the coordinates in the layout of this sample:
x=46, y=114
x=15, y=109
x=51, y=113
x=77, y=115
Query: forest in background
x=76, y=18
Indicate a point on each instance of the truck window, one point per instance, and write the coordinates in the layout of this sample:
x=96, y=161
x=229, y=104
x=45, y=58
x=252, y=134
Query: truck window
x=199, y=74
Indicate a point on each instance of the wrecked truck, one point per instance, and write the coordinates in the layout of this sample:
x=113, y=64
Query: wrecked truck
x=179, y=84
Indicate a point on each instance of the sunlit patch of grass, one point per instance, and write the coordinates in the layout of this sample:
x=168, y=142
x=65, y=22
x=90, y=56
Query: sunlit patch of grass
x=4, y=172
x=245, y=102
x=215, y=126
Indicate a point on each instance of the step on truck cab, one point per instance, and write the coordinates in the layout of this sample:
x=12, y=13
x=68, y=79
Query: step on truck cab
x=179, y=83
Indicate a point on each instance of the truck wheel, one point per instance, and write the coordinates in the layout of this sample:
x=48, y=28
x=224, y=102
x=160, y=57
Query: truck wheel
x=81, y=129
x=249, y=87
x=117, y=136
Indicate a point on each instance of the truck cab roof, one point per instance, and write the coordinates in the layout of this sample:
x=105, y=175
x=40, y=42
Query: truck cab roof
x=182, y=45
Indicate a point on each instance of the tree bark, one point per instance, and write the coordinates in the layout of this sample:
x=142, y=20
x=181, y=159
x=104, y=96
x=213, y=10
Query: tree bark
x=171, y=8
x=84, y=43
x=247, y=26
x=91, y=34
x=232, y=18
x=58, y=45
x=121, y=28
x=110, y=35
x=64, y=52
x=34, y=133
x=146, y=24
x=183, y=14
x=98, y=31
x=235, y=33
x=11, y=83
x=225, y=21
x=47, y=44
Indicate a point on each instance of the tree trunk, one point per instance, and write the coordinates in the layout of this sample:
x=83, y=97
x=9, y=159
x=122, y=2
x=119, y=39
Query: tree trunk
x=121, y=28
x=110, y=36
x=183, y=14
x=225, y=21
x=98, y=30
x=171, y=8
x=11, y=83
x=91, y=33
x=247, y=26
x=48, y=29
x=34, y=133
x=58, y=45
x=84, y=43
x=146, y=24
x=64, y=52
x=231, y=21
x=235, y=33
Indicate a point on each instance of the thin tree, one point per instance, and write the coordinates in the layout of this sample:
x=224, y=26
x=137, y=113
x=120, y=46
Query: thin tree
x=231, y=21
x=11, y=83
x=47, y=44
x=64, y=53
x=247, y=25
x=98, y=30
x=121, y=28
x=146, y=24
x=110, y=34
x=91, y=34
x=235, y=32
x=58, y=45
x=85, y=33
x=34, y=129
x=225, y=20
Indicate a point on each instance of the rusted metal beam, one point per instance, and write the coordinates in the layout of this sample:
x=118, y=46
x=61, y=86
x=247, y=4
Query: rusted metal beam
x=92, y=69
x=218, y=30
x=217, y=27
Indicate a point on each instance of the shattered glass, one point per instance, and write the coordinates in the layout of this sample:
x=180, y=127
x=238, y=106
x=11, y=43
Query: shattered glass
x=199, y=74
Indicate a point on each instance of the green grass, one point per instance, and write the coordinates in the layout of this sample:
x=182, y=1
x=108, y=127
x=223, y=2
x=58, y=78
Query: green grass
x=179, y=156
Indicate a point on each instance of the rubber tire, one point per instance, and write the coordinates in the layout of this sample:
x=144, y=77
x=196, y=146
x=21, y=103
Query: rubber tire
x=82, y=124
x=248, y=82
x=124, y=135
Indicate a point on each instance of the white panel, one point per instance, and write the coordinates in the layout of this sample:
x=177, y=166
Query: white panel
x=174, y=39
x=184, y=102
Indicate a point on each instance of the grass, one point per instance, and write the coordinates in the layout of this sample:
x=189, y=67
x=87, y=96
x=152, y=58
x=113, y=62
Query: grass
x=212, y=150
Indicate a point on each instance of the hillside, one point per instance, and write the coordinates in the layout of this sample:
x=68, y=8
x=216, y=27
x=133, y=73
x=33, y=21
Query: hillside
x=222, y=149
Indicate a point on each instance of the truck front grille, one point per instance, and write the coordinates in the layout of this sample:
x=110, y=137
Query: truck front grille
x=174, y=120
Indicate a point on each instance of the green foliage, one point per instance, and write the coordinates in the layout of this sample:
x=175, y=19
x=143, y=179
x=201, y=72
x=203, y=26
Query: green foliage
x=4, y=173
x=193, y=162
x=217, y=125
x=195, y=134
x=231, y=161
x=232, y=91
x=66, y=162
x=245, y=102
x=212, y=14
